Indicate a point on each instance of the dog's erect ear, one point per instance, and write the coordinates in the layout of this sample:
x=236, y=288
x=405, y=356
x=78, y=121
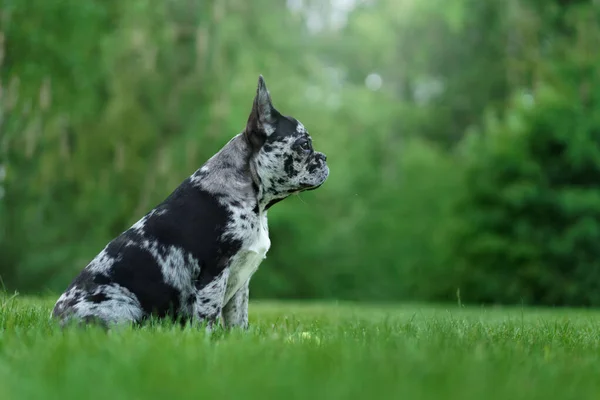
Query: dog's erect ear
x=261, y=122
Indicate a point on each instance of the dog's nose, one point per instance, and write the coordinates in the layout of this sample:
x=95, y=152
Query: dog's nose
x=322, y=157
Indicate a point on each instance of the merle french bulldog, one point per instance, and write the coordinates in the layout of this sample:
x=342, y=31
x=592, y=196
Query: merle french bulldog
x=192, y=256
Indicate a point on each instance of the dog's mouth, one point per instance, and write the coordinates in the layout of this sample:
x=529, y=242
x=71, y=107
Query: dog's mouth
x=306, y=187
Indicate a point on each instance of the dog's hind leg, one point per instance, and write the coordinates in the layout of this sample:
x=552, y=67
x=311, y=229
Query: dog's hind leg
x=106, y=305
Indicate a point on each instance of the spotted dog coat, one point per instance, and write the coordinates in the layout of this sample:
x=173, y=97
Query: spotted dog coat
x=192, y=256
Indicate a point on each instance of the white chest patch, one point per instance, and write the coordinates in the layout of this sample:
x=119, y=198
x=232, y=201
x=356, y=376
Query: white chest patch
x=247, y=260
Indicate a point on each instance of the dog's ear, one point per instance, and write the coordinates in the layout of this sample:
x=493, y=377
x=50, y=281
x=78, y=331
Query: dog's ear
x=261, y=122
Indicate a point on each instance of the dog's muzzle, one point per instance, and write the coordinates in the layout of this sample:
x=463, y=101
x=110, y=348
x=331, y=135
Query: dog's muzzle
x=319, y=171
x=321, y=157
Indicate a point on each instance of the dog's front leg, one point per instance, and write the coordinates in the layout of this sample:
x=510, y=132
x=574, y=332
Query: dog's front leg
x=208, y=301
x=235, y=312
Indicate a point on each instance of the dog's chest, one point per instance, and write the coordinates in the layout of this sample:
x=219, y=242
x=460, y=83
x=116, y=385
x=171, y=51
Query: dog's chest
x=253, y=251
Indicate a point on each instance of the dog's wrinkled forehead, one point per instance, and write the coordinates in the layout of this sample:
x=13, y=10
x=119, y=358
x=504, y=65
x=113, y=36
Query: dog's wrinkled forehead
x=289, y=127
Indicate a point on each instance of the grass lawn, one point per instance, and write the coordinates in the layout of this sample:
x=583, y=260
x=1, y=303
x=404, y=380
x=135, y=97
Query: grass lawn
x=350, y=351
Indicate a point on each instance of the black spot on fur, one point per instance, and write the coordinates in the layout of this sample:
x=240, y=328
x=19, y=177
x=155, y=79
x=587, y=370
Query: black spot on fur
x=272, y=203
x=101, y=279
x=226, y=164
x=200, y=174
x=312, y=167
x=206, y=276
x=97, y=297
x=203, y=315
x=88, y=281
x=74, y=300
x=191, y=299
x=64, y=306
x=288, y=166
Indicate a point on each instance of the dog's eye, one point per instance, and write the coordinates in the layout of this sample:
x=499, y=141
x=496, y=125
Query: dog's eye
x=305, y=145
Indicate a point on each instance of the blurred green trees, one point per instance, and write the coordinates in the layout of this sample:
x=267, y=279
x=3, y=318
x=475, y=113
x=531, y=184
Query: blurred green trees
x=528, y=221
x=458, y=134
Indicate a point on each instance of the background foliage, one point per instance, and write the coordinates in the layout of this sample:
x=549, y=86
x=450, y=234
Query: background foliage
x=463, y=138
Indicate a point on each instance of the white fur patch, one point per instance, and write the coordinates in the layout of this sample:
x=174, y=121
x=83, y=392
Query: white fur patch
x=102, y=263
x=176, y=267
x=300, y=128
x=268, y=129
x=196, y=178
x=235, y=312
x=120, y=306
x=248, y=259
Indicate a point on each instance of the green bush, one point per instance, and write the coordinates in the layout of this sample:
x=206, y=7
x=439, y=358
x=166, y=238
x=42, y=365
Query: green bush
x=528, y=224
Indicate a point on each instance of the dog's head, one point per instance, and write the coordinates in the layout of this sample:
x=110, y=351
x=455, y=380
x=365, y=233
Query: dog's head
x=283, y=159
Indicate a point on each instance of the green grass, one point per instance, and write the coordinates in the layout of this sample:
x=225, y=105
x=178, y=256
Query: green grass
x=354, y=351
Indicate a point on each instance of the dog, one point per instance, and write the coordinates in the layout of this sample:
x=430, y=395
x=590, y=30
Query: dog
x=192, y=256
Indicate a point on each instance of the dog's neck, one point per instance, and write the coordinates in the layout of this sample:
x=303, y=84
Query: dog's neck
x=265, y=195
x=231, y=175
x=266, y=201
